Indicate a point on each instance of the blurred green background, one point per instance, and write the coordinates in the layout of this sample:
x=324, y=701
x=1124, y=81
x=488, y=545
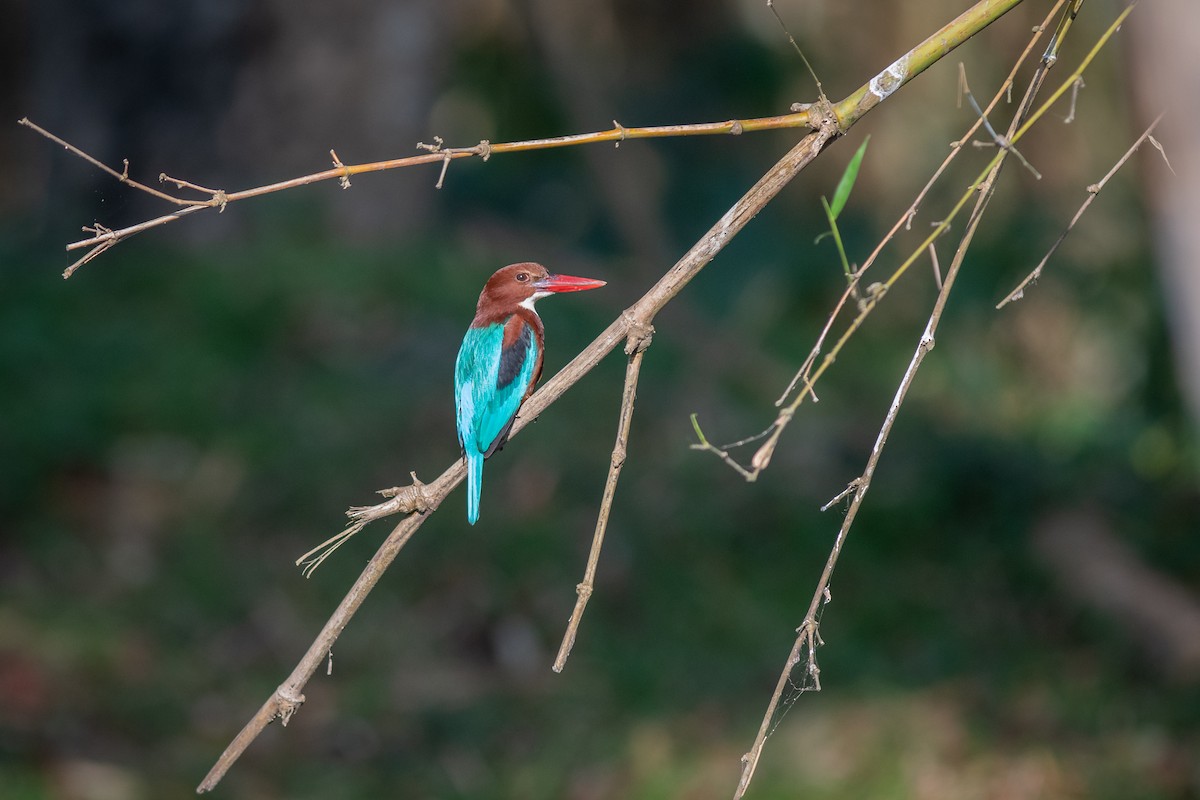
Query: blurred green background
x=195, y=409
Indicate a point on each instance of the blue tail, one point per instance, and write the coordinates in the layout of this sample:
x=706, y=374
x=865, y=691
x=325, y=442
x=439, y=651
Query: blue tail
x=474, y=484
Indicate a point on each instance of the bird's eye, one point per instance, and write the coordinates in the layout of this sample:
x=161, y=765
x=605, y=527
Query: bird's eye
x=522, y=277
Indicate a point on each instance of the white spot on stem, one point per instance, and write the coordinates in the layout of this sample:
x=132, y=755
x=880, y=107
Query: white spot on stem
x=890, y=79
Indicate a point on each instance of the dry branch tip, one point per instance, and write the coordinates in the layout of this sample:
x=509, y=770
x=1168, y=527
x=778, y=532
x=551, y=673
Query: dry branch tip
x=850, y=488
x=401, y=500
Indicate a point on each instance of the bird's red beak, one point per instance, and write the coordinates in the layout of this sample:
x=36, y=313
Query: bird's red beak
x=566, y=283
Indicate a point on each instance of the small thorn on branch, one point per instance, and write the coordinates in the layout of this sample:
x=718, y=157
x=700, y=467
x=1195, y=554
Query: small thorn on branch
x=437, y=146
x=843, y=494
x=182, y=184
x=937, y=270
x=622, y=132
x=344, y=181
x=1079, y=84
x=445, y=166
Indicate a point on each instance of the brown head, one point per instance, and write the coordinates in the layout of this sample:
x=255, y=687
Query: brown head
x=521, y=285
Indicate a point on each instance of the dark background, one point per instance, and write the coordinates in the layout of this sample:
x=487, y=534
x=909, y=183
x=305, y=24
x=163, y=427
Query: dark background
x=194, y=409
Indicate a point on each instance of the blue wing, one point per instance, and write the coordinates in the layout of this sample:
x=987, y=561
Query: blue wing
x=490, y=382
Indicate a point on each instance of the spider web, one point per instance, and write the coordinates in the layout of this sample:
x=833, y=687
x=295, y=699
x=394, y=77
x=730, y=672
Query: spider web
x=804, y=674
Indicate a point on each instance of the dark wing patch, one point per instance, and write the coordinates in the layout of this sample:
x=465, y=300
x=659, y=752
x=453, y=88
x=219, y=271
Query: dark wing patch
x=513, y=355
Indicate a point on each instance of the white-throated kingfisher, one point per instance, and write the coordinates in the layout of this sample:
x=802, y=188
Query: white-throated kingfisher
x=500, y=362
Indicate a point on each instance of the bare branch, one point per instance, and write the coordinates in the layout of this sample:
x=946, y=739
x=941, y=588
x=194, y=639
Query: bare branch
x=925, y=344
x=997, y=139
x=792, y=40
x=639, y=340
x=438, y=153
x=1093, y=190
x=122, y=176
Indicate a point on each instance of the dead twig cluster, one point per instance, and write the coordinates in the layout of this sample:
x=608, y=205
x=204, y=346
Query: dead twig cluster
x=808, y=637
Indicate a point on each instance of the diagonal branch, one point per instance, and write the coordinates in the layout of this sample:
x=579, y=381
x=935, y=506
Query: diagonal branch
x=639, y=340
x=808, y=634
x=287, y=698
x=1092, y=190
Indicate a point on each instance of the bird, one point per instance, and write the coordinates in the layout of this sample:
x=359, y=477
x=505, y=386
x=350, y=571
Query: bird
x=500, y=361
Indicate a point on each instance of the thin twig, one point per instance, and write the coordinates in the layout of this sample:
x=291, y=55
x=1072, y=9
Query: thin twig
x=88, y=256
x=792, y=40
x=639, y=340
x=705, y=445
x=1079, y=84
x=997, y=139
x=437, y=153
x=937, y=270
x=122, y=176
x=1093, y=190
x=809, y=628
x=182, y=184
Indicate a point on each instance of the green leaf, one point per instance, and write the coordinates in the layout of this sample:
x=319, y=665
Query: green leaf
x=847, y=182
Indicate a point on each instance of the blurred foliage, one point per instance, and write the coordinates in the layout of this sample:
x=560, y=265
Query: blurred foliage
x=182, y=419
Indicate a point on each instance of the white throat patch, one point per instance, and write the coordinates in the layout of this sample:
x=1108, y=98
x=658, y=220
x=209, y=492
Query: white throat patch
x=533, y=298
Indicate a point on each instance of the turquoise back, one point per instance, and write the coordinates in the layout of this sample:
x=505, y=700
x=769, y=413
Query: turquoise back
x=485, y=409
